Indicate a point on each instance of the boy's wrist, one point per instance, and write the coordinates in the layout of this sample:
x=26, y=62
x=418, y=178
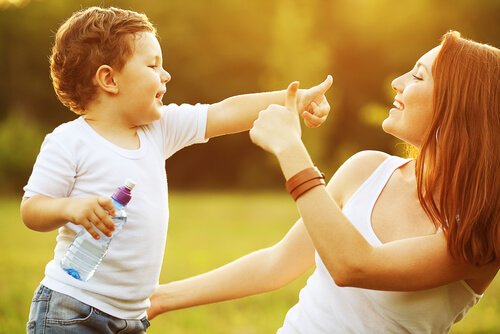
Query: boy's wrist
x=65, y=210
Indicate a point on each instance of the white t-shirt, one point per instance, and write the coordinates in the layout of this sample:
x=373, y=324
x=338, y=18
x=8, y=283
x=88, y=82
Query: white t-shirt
x=75, y=161
x=324, y=307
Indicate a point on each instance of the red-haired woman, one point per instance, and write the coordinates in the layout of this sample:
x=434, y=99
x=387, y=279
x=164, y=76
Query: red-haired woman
x=400, y=245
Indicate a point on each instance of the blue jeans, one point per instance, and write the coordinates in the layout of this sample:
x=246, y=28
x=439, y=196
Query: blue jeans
x=53, y=312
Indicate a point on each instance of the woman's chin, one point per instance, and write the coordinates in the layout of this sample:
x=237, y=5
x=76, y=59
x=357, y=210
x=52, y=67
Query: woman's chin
x=386, y=125
x=389, y=128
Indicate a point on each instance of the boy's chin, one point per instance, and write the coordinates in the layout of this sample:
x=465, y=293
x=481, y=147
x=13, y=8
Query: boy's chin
x=155, y=114
x=153, y=118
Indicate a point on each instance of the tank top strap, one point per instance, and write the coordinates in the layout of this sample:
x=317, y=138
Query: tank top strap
x=374, y=184
x=381, y=175
x=359, y=207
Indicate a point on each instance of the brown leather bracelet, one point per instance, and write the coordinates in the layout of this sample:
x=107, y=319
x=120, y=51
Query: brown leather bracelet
x=303, y=176
x=305, y=187
x=303, y=181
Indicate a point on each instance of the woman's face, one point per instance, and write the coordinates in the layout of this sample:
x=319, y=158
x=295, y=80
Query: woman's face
x=412, y=112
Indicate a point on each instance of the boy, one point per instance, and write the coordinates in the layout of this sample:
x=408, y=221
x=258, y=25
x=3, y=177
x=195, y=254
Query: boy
x=106, y=66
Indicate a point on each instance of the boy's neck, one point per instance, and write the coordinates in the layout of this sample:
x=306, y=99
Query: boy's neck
x=112, y=127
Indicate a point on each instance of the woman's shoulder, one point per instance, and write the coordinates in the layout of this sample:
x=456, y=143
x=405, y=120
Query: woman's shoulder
x=353, y=172
x=362, y=164
x=367, y=160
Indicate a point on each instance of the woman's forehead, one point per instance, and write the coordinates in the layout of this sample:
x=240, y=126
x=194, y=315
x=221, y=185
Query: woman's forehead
x=428, y=58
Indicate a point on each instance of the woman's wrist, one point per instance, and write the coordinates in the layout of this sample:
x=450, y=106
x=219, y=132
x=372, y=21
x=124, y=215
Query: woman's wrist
x=294, y=158
x=163, y=299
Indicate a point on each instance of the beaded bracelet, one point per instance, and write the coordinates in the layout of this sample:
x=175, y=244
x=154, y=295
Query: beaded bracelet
x=304, y=181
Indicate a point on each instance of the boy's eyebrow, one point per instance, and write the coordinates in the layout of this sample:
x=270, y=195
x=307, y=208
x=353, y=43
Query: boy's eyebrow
x=155, y=58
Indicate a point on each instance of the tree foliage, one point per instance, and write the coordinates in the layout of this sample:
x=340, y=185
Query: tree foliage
x=215, y=49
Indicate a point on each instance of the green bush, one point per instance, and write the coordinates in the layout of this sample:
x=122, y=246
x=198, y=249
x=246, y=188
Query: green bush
x=20, y=140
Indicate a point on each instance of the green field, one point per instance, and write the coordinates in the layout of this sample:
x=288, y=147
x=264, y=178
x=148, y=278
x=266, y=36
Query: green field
x=206, y=230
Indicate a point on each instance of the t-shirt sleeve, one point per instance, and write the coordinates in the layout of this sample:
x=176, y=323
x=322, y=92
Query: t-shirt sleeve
x=54, y=171
x=183, y=125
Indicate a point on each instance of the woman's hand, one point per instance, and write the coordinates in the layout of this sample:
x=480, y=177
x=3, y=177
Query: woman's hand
x=157, y=300
x=277, y=127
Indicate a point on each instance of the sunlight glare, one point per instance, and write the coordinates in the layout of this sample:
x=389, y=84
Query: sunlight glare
x=13, y=3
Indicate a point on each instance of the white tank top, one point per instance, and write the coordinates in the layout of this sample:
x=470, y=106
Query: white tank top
x=323, y=307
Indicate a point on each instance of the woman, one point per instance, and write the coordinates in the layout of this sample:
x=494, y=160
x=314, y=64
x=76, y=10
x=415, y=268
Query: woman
x=401, y=245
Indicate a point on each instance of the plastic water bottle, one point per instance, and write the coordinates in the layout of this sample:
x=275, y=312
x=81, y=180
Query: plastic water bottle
x=86, y=253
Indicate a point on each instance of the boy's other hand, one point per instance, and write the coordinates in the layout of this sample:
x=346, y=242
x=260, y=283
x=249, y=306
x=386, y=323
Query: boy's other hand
x=312, y=104
x=92, y=213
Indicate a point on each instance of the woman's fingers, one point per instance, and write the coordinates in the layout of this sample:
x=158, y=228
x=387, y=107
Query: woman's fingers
x=291, y=96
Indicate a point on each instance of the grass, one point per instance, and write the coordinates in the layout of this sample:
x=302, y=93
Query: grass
x=206, y=231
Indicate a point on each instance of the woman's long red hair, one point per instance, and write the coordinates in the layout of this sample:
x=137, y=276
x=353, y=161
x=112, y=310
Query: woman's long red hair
x=458, y=167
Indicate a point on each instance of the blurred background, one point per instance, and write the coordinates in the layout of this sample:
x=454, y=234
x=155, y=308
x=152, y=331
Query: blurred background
x=226, y=195
x=219, y=48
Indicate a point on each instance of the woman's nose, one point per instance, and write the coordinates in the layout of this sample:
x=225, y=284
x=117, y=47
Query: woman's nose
x=397, y=84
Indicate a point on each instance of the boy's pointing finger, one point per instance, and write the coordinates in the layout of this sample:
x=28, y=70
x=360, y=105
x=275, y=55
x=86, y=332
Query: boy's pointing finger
x=326, y=84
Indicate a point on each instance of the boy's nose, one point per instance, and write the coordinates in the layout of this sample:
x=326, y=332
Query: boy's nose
x=165, y=77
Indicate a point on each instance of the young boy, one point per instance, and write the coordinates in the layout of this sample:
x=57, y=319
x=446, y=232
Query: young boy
x=106, y=66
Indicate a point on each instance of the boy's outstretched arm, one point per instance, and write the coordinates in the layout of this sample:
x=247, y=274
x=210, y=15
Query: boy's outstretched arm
x=237, y=113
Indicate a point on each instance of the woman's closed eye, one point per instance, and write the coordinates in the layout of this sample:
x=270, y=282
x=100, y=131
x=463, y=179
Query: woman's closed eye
x=416, y=77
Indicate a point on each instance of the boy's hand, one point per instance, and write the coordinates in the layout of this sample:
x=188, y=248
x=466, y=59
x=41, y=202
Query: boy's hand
x=92, y=213
x=312, y=104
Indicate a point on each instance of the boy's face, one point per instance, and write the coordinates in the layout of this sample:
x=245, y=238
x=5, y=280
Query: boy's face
x=142, y=81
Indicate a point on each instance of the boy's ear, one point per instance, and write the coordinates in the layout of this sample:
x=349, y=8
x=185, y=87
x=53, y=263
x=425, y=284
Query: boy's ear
x=104, y=78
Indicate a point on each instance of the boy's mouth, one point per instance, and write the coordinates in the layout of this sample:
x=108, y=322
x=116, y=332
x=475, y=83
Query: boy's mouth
x=160, y=94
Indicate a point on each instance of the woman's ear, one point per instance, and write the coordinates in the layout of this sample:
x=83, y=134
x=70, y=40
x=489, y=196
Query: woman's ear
x=104, y=78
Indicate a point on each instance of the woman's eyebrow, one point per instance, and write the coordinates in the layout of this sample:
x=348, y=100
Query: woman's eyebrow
x=419, y=64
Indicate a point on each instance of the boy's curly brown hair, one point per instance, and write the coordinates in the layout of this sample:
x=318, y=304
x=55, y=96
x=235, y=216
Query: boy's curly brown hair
x=90, y=38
